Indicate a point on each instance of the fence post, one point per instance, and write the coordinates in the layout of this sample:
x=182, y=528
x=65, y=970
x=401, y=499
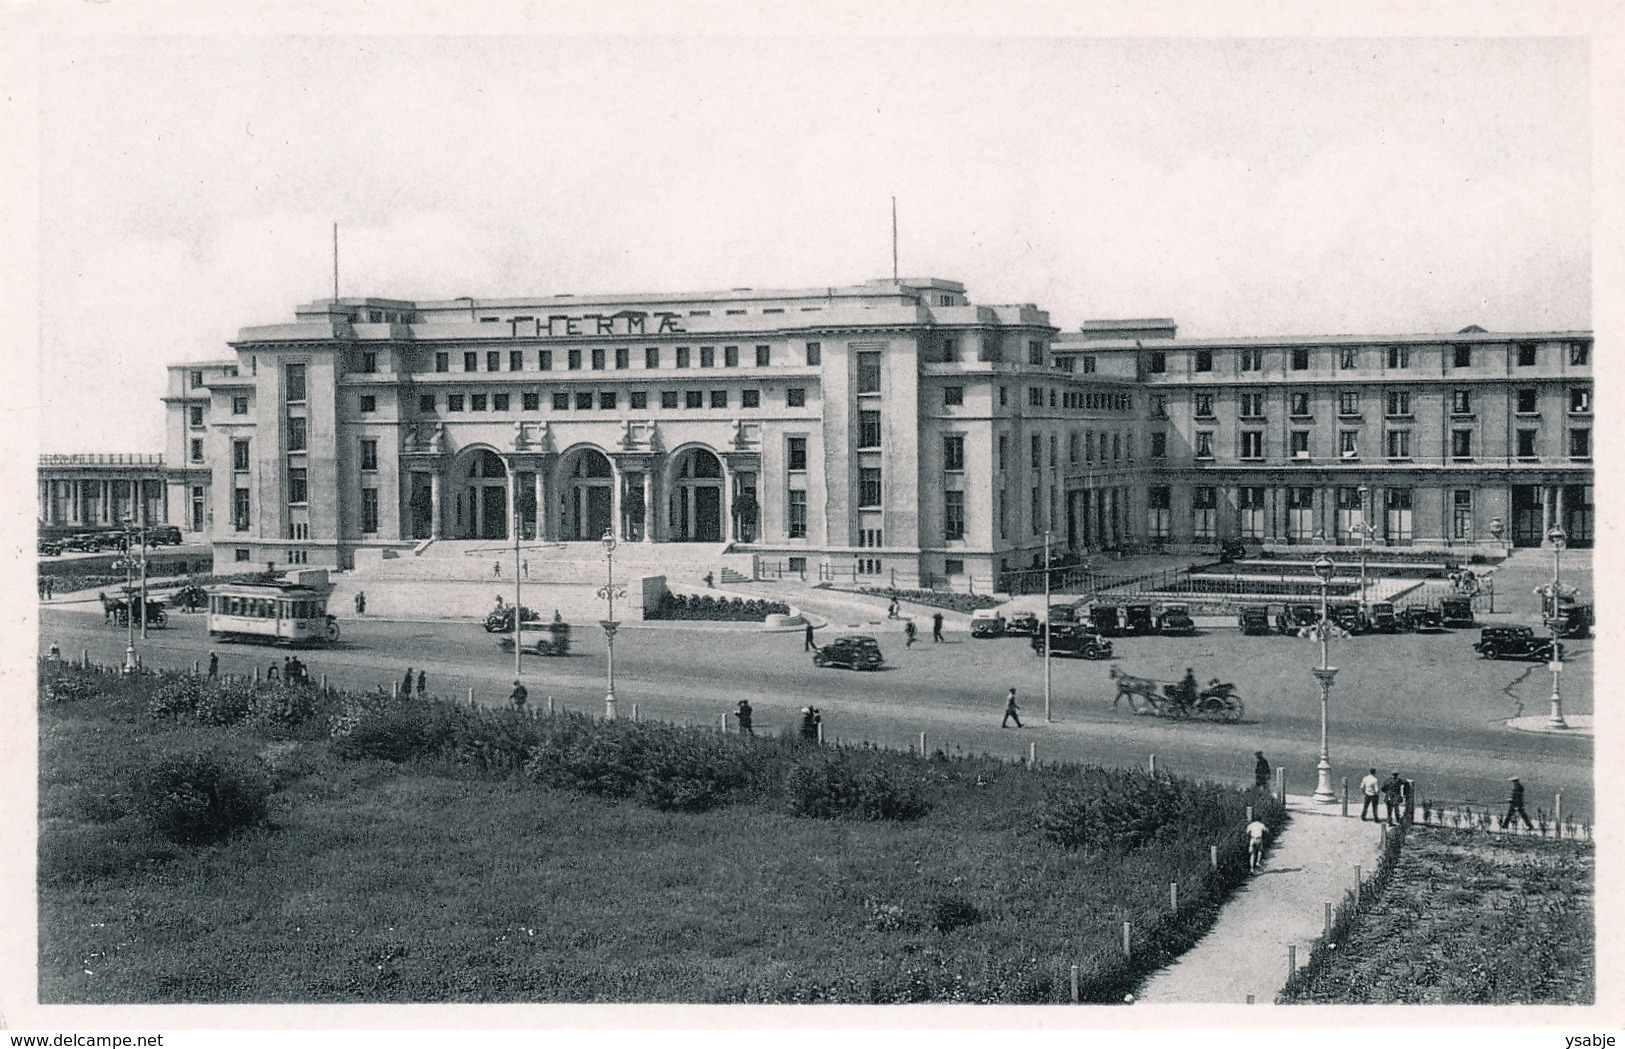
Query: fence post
x=1291, y=959
x=820, y=732
x=1213, y=857
x=550, y=705
x=1328, y=921
x=394, y=686
x=324, y=684
x=1032, y=755
x=1074, y=985
x=922, y=744
x=1356, y=887
x=1345, y=795
x=198, y=665
x=1173, y=896
x=1557, y=814
x=257, y=675
x=471, y=695
x=1128, y=927
x=1249, y=813
x=1249, y=999
x=1153, y=764
x=84, y=657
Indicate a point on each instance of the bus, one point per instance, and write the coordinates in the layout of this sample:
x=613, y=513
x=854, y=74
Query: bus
x=281, y=612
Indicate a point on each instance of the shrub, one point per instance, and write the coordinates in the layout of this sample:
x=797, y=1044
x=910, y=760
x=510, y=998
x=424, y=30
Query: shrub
x=1122, y=809
x=825, y=785
x=954, y=912
x=196, y=798
x=68, y=685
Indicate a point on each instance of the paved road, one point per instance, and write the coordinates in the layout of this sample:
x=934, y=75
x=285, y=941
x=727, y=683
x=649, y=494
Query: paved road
x=1425, y=705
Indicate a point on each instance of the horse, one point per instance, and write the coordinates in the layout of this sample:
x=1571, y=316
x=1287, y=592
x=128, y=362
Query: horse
x=1131, y=686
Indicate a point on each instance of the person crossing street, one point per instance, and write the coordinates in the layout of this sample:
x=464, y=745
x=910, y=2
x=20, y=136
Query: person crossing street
x=1011, y=711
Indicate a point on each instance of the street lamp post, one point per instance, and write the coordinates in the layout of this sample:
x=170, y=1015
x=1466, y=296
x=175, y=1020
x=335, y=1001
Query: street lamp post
x=1047, y=618
x=518, y=606
x=609, y=593
x=130, y=597
x=1324, y=674
x=1559, y=540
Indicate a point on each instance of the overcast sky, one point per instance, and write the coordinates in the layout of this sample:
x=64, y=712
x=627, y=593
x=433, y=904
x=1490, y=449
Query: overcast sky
x=189, y=183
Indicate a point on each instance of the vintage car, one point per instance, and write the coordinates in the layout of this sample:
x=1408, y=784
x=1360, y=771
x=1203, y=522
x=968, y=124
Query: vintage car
x=544, y=639
x=986, y=622
x=49, y=547
x=1513, y=642
x=164, y=535
x=1420, y=619
x=1254, y=620
x=1175, y=621
x=852, y=652
x=1105, y=621
x=1063, y=615
x=1575, y=620
x=1382, y=619
x=84, y=542
x=1346, y=614
x=1021, y=624
x=1457, y=612
x=1139, y=620
x=1294, y=618
x=500, y=621
x=1073, y=640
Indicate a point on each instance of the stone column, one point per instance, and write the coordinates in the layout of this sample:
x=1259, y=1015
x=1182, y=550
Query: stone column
x=1548, y=504
x=539, y=491
x=729, y=531
x=617, y=480
x=648, y=505
x=435, y=515
x=1561, y=515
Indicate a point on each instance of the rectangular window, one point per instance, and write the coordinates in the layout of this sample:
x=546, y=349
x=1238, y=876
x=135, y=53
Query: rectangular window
x=668, y=398
x=953, y=566
x=454, y=402
x=1156, y=362
x=623, y=357
x=1159, y=445
x=368, y=402
x=730, y=356
x=493, y=360
x=1157, y=501
x=949, y=350
x=426, y=402
x=1300, y=358
x=868, y=429
x=297, y=434
x=583, y=400
x=1035, y=352
x=795, y=397
x=196, y=378
x=572, y=360
x=1089, y=364
x=719, y=398
x=1348, y=444
x=561, y=402
x=815, y=353
x=868, y=372
x=639, y=399
x=868, y=486
x=239, y=510
x=796, y=523
x=530, y=401
x=499, y=402
x=471, y=361
x=750, y=398
x=1300, y=514
x=1252, y=359
x=1298, y=402
x=1526, y=444
x=1204, y=405
x=1348, y=403
x=796, y=453
x=1035, y=397
x=1461, y=402
x=544, y=360
x=442, y=362
x=516, y=360
x=1579, y=400
x=764, y=356
x=295, y=376
x=1298, y=444
x=693, y=399
x=953, y=515
x=1037, y=457
x=953, y=451
x=369, y=361
x=1527, y=404
x=1399, y=404
x=194, y=415
x=1461, y=444
x=953, y=396
x=369, y=511
x=1461, y=356
x=1348, y=357
x=1250, y=503
x=682, y=356
x=607, y=400
x=651, y=357
x=239, y=406
x=477, y=402
x=239, y=455
x=708, y=356
x=298, y=487
x=369, y=454
x=1579, y=444
x=1399, y=356
x=1204, y=360
x=1204, y=444
x=1252, y=444
x=1252, y=406
x=1579, y=354
x=1397, y=519
x=1526, y=355
x=1462, y=514
x=1037, y=509
x=1399, y=444
x=1204, y=512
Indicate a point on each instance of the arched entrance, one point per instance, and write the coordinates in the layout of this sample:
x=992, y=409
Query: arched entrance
x=480, y=503
x=695, y=506
x=586, y=497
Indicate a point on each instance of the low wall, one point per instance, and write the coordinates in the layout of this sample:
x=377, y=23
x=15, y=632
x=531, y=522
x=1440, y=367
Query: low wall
x=442, y=599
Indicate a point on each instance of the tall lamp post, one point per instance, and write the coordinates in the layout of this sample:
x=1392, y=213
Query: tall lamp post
x=609, y=593
x=130, y=598
x=1559, y=540
x=518, y=607
x=1324, y=674
x=1047, y=618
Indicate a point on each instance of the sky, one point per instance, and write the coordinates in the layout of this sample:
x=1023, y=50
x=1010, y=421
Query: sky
x=188, y=183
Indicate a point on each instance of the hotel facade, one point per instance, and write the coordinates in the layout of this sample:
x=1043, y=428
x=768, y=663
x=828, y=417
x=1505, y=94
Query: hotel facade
x=891, y=429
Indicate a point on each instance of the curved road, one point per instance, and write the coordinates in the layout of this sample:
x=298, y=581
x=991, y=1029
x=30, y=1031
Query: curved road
x=1422, y=704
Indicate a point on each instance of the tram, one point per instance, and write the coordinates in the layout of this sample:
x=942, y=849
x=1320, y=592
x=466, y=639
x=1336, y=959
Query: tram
x=281, y=612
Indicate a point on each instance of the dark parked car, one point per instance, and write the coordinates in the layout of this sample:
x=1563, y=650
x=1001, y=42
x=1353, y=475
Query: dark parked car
x=1175, y=621
x=1457, y=612
x=854, y=652
x=1382, y=620
x=1074, y=640
x=49, y=547
x=1022, y=624
x=1254, y=620
x=85, y=542
x=1063, y=615
x=1575, y=620
x=1138, y=620
x=164, y=535
x=1294, y=618
x=1347, y=615
x=1421, y=619
x=1513, y=642
x=1104, y=620
x=985, y=622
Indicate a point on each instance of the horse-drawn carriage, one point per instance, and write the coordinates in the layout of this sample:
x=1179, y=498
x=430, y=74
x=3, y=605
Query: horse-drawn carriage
x=117, y=610
x=1180, y=700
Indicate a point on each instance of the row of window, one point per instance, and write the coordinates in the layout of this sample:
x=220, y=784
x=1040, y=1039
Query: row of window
x=1251, y=358
x=588, y=400
x=1396, y=444
x=1120, y=448
x=597, y=358
x=1250, y=404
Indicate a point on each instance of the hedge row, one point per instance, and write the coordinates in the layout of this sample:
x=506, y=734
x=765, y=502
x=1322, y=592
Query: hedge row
x=947, y=599
x=706, y=607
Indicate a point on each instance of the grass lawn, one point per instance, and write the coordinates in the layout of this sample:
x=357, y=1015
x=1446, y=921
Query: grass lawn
x=1472, y=918
x=431, y=881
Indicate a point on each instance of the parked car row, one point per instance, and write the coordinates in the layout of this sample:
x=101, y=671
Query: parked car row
x=1168, y=620
x=1378, y=617
x=92, y=542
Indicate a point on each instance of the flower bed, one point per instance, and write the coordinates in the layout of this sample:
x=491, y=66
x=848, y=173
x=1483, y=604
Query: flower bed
x=722, y=609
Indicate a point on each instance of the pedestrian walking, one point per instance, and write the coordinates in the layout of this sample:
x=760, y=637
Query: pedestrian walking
x=809, y=645
x=936, y=627
x=50, y=588
x=55, y=654
x=1369, y=788
x=496, y=569
x=518, y=696
x=710, y=581
x=1261, y=771
x=810, y=720
x=214, y=665
x=1256, y=830
x=297, y=672
x=1393, y=796
x=891, y=609
x=1010, y=710
x=39, y=585
x=744, y=715
x=524, y=567
x=406, y=683
x=423, y=684
x=360, y=602
x=910, y=633
x=1515, y=806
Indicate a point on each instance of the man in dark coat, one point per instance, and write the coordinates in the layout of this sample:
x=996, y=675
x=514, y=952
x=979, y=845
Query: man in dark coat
x=1261, y=771
x=809, y=645
x=936, y=627
x=1393, y=796
x=1515, y=806
x=744, y=714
